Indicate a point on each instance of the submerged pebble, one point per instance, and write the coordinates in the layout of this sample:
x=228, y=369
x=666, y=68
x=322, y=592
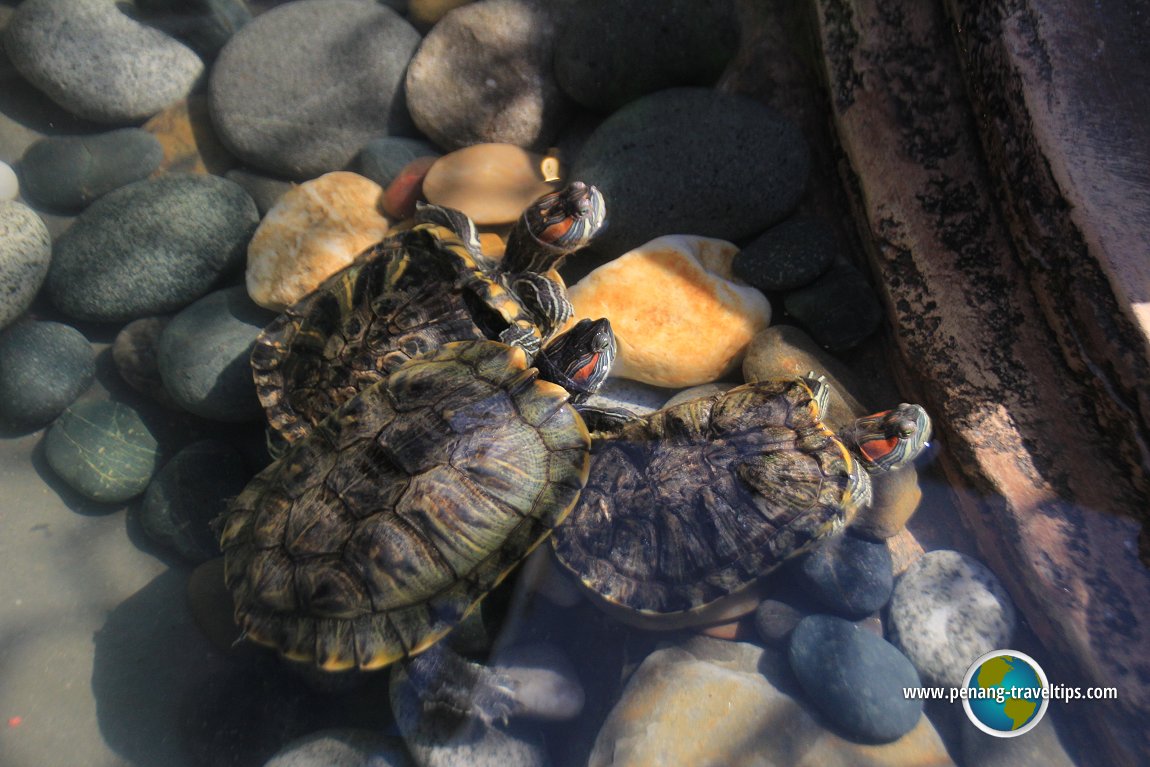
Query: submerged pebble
x=44, y=366
x=947, y=610
x=301, y=88
x=25, y=253
x=151, y=247
x=856, y=679
x=134, y=354
x=98, y=62
x=677, y=322
x=265, y=190
x=9, y=184
x=406, y=190
x=851, y=576
x=205, y=25
x=775, y=620
x=787, y=256
x=102, y=450
x=69, y=172
x=193, y=488
x=483, y=74
x=203, y=356
x=188, y=138
x=315, y=230
x=343, y=747
x=382, y=159
x=491, y=183
x=839, y=310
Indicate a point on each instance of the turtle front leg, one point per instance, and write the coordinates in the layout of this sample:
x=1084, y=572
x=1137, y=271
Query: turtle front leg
x=820, y=392
x=444, y=678
x=546, y=300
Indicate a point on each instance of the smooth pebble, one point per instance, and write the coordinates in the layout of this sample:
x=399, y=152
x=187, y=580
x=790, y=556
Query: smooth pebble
x=840, y=309
x=134, y=355
x=787, y=256
x=491, y=183
x=850, y=576
x=44, y=366
x=69, y=172
x=25, y=254
x=382, y=159
x=9, y=183
x=342, y=747
x=188, y=139
x=205, y=25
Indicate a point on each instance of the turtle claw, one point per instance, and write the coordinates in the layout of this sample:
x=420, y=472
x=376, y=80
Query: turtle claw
x=494, y=698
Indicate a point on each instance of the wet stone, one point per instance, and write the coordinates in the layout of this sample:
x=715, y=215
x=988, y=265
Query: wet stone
x=96, y=61
x=25, y=252
x=9, y=183
x=44, y=366
x=854, y=678
x=134, y=354
x=491, y=183
x=151, y=247
x=102, y=450
x=203, y=356
x=748, y=167
x=775, y=620
x=205, y=25
x=610, y=53
x=839, y=310
x=947, y=610
x=193, y=488
x=300, y=89
x=787, y=256
x=402, y=195
x=265, y=190
x=382, y=159
x=343, y=747
x=459, y=80
x=188, y=138
x=852, y=577
x=69, y=172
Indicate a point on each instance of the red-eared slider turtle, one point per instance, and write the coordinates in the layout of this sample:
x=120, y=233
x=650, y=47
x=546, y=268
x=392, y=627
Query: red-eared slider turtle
x=686, y=508
x=413, y=292
x=376, y=533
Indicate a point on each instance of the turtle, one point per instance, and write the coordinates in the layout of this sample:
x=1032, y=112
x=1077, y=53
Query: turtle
x=414, y=291
x=686, y=508
x=380, y=530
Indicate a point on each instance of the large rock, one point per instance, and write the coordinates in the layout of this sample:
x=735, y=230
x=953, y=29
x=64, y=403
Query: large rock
x=300, y=89
x=151, y=247
x=25, y=252
x=96, y=61
x=483, y=74
x=693, y=161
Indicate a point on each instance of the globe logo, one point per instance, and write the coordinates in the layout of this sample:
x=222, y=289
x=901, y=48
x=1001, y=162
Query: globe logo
x=1006, y=693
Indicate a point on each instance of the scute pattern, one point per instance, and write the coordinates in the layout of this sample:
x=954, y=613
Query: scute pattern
x=377, y=532
x=695, y=502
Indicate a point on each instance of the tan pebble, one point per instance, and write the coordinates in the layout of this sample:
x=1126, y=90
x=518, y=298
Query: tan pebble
x=896, y=498
x=189, y=141
x=492, y=183
x=424, y=13
x=315, y=229
x=677, y=324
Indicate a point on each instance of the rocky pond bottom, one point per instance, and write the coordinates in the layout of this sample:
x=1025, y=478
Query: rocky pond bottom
x=192, y=199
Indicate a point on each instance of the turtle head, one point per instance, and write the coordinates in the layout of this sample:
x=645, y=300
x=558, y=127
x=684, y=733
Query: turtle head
x=890, y=439
x=580, y=359
x=555, y=226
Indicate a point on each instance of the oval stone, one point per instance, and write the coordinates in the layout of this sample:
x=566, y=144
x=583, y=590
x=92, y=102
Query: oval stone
x=44, y=366
x=9, y=183
x=96, y=61
x=851, y=576
x=69, y=172
x=134, y=354
x=491, y=183
x=103, y=450
x=693, y=161
x=382, y=160
x=25, y=252
x=151, y=247
x=856, y=679
x=302, y=87
x=203, y=356
x=787, y=256
x=839, y=310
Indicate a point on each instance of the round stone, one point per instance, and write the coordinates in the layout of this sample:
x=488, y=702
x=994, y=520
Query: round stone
x=44, y=366
x=103, y=450
x=25, y=252
x=9, y=184
x=301, y=89
x=205, y=25
x=203, y=356
x=96, y=61
x=382, y=160
x=69, y=172
x=192, y=489
x=852, y=577
x=151, y=247
x=947, y=610
x=134, y=354
x=610, y=53
x=787, y=256
x=693, y=161
x=839, y=310
x=698, y=392
x=342, y=748
x=483, y=74
x=775, y=620
x=856, y=679
x=265, y=190
x=491, y=183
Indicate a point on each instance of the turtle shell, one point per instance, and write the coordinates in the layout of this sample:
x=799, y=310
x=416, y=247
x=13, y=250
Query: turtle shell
x=375, y=534
x=686, y=508
x=409, y=294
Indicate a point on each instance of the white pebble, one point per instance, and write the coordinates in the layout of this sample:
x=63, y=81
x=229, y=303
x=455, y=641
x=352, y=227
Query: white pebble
x=9, y=184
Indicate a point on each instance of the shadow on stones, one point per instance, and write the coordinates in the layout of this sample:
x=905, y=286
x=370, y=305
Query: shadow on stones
x=21, y=102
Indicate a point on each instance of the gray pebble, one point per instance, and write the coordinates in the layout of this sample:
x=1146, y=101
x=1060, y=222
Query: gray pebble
x=193, y=488
x=265, y=190
x=787, y=256
x=610, y=53
x=775, y=620
x=693, y=161
x=303, y=87
x=840, y=309
x=344, y=747
x=97, y=62
x=69, y=172
x=103, y=450
x=203, y=356
x=946, y=611
x=134, y=354
x=483, y=74
x=381, y=160
x=151, y=247
x=852, y=577
x=25, y=252
x=205, y=25
x=44, y=366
